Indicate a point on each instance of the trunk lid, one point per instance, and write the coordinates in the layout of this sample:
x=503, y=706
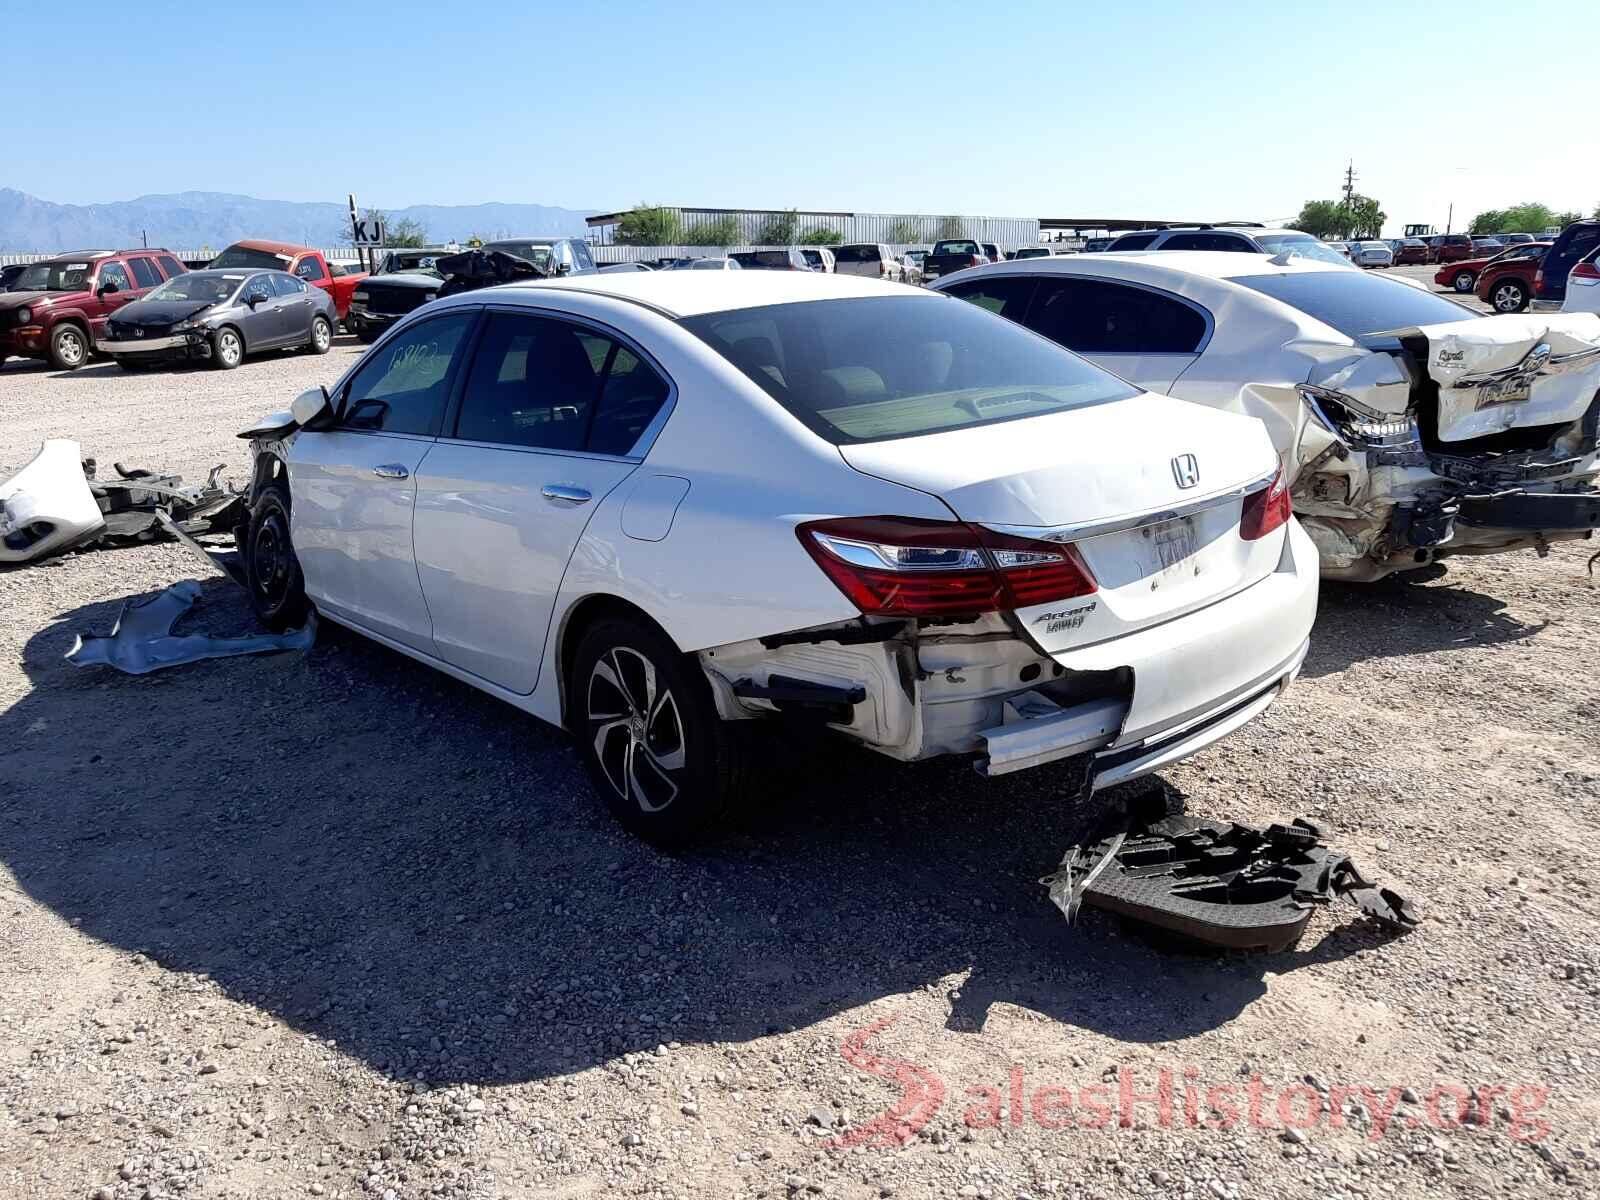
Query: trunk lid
x=1509, y=372
x=1149, y=489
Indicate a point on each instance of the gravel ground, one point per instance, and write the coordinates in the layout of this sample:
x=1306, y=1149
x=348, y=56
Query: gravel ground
x=331, y=924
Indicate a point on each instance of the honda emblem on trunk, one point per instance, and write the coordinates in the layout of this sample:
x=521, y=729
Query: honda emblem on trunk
x=1186, y=470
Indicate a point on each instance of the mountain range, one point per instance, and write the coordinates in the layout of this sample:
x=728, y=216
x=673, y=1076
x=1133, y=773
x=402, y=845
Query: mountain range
x=200, y=220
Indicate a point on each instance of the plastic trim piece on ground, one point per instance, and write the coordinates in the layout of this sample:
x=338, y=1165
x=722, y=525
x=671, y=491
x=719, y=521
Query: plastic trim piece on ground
x=143, y=641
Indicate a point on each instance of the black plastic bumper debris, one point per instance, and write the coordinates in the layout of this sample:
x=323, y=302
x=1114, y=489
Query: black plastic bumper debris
x=1218, y=883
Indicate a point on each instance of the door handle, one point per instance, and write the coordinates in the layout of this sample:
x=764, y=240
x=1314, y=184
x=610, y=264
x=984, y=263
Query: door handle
x=566, y=492
x=391, y=471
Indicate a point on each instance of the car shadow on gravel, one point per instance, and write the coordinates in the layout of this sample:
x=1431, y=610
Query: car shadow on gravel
x=386, y=858
x=1396, y=617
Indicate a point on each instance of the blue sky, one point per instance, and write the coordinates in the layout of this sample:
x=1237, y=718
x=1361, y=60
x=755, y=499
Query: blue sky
x=1161, y=110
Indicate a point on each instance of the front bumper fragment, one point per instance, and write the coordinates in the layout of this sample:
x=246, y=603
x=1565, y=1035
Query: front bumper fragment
x=177, y=341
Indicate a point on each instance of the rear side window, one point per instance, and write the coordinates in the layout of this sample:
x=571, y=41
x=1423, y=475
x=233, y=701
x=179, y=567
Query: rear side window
x=402, y=387
x=1096, y=316
x=1133, y=241
x=287, y=285
x=170, y=265
x=1006, y=296
x=872, y=369
x=114, y=273
x=549, y=385
x=145, y=272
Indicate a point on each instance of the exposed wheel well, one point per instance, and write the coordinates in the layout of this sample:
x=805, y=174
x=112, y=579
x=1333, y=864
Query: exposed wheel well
x=270, y=469
x=244, y=344
x=584, y=614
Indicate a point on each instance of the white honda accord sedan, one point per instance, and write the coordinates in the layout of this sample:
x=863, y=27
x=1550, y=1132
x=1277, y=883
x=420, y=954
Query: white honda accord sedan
x=657, y=508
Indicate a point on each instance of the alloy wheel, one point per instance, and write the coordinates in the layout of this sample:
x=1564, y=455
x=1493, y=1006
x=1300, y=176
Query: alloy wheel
x=636, y=728
x=1507, y=298
x=228, y=347
x=70, y=345
x=321, y=335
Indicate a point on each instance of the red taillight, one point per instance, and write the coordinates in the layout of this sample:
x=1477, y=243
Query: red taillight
x=1586, y=270
x=907, y=567
x=1266, y=510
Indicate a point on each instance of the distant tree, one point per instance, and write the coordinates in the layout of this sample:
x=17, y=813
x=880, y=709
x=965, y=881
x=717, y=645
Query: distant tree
x=1528, y=218
x=817, y=235
x=405, y=233
x=1366, y=218
x=905, y=232
x=778, y=229
x=718, y=231
x=648, y=225
x=950, y=227
x=1490, y=221
x=474, y=241
x=1323, y=219
x=1567, y=218
x=1595, y=215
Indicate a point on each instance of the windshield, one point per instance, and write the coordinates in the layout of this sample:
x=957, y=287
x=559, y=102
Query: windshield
x=54, y=277
x=1302, y=244
x=538, y=253
x=869, y=369
x=1357, y=303
x=198, y=286
x=243, y=256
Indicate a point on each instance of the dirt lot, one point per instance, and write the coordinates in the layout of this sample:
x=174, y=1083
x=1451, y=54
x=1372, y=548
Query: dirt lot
x=331, y=924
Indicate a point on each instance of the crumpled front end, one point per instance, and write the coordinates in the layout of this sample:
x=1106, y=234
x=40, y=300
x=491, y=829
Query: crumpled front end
x=1468, y=438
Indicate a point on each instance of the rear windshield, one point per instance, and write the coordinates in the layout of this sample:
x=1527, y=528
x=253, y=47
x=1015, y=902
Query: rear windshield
x=1357, y=304
x=955, y=248
x=855, y=254
x=243, y=256
x=765, y=258
x=872, y=369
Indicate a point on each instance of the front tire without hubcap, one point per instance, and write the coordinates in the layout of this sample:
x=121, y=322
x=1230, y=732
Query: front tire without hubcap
x=667, y=765
x=272, y=572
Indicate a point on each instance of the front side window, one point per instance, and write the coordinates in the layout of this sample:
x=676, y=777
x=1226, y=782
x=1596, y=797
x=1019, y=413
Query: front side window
x=258, y=290
x=545, y=384
x=1096, y=316
x=402, y=386
x=114, y=273
x=875, y=368
x=1357, y=303
x=145, y=272
x=310, y=269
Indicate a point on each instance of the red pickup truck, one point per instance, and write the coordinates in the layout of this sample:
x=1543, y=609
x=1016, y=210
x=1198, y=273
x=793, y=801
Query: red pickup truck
x=301, y=261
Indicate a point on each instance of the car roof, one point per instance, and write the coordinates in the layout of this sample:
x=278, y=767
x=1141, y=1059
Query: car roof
x=690, y=293
x=234, y=272
x=289, y=248
x=1214, y=264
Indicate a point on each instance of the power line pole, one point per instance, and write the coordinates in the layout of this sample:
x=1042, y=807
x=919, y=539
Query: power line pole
x=1349, y=197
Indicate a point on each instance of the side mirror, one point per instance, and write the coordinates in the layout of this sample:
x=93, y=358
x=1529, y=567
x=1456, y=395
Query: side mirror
x=109, y=288
x=254, y=299
x=308, y=406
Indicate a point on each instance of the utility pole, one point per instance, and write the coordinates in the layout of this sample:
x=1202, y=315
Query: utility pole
x=1349, y=197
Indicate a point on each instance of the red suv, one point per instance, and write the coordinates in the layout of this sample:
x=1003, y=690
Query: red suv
x=57, y=308
x=1506, y=280
x=1450, y=247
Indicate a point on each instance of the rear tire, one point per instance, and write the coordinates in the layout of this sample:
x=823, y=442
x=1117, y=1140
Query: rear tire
x=670, y=769
x=227, y=348
x=1464, y=282
x=69, y=346
x=271, y=570
x=321, y=335
x=1508, y=296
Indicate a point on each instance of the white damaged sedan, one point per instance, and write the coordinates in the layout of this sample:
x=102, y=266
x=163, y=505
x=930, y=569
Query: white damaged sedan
x=658, y=508
x=1412, y=428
